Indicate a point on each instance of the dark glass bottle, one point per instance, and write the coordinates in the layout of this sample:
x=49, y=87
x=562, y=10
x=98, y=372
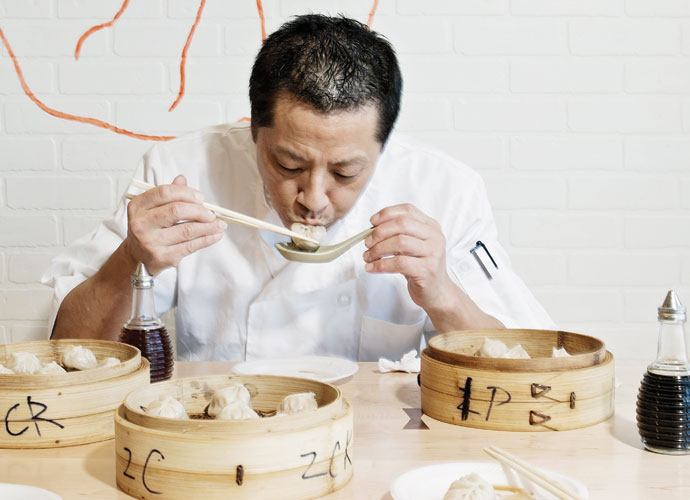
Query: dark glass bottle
x=663, y=401
x=145, y=330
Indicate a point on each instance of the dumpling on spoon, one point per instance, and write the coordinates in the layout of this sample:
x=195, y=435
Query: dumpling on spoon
x=317, y=233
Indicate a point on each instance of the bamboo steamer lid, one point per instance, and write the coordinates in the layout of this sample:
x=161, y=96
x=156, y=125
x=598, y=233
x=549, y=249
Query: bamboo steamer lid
x=73, y=408
x=290, y=457
x=538, y=394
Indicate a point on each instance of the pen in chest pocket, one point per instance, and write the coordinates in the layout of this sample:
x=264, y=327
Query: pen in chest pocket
x=475, y=252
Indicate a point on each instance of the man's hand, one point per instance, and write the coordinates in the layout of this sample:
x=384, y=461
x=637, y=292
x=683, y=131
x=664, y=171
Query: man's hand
x=411, y=243
x=168, y=223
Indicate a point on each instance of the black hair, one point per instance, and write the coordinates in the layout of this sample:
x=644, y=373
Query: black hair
x=329, y=63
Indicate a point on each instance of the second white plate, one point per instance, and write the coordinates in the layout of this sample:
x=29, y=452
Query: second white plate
x=322, y=368
x=432, y=482
x=24, y=492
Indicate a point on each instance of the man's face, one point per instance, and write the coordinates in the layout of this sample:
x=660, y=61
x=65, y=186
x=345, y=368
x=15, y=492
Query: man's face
x=315, y=165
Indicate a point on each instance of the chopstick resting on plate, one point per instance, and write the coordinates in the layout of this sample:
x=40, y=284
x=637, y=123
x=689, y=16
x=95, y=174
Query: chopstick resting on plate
x=233, y=217
x=531, y=473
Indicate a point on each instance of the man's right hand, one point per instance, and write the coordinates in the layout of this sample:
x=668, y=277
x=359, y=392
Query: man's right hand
x=157, y=237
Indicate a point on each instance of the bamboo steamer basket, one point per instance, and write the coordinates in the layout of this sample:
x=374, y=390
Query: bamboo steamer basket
x=73, y=408
x=538, y=394
x=290, y=457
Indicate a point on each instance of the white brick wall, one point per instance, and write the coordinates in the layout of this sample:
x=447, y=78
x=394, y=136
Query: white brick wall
x=576, y=113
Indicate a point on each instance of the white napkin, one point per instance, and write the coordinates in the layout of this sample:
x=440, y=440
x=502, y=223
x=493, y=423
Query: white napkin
x=409, y=363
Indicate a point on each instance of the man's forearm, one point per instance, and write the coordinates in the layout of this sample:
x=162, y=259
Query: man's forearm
x=99, y=306
x=459, y=312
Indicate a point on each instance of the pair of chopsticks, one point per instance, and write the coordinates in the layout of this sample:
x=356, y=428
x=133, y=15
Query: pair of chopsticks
x=529, y=472
x=233, y=217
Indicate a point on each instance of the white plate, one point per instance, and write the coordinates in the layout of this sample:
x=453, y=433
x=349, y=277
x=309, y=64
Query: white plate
x=432, y=482
x=23, y=492
x=321, y=368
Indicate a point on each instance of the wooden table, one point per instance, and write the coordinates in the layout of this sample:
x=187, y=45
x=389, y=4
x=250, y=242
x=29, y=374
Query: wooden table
x=607, y=457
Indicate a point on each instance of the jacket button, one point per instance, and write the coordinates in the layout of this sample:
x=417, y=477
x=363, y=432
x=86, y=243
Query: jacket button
x=344, y=300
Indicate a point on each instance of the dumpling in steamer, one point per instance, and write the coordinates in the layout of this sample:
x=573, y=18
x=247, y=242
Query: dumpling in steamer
x=470, y=487
x=167, y=407
x=227, y=395
x=237, y=410
x=492, y=348
x=51, y=368
x=560, y=353
x=107, y=362
x=298, y=403
x=24, y=363
x=317, y=233
x=517, y=352
x=5, y=371
x=79, y=358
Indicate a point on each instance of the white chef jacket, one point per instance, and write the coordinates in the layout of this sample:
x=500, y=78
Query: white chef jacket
x=239, y=299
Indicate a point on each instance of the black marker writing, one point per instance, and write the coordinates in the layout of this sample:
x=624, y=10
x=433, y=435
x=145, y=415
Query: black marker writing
x=143, y=473
x=493, y=397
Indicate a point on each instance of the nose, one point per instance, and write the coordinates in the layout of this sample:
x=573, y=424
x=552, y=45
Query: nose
x=313, y=193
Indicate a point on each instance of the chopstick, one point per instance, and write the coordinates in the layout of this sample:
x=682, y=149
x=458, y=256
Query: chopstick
x=529, y=472
x=233, y=217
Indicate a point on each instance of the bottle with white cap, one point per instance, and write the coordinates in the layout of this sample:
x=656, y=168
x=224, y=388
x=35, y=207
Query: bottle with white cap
x=145, y=330
x=663, y=401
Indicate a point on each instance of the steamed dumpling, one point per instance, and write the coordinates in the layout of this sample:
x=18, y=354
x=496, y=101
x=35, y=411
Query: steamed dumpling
x=560, y=353
x=24, y=363
x=298, y=403
x=470, y=487
x=51, y=368
x=167, y=407
x=5, y=371
x=227, y=395
x=317, y=233
x=492, y=348
x=517, y=352
x=106, y=362
x=237, y=410
x=79, y=358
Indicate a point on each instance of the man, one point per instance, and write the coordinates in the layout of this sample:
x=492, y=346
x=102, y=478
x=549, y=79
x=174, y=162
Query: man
x=325, y=93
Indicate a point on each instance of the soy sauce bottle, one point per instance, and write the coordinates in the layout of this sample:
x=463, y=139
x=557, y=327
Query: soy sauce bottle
x=145, y=330
x=663, y=401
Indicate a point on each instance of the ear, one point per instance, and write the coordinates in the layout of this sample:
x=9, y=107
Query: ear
x=255, y=131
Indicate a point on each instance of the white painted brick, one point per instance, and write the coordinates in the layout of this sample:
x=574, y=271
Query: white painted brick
x=26, y=9
x=641, y=305
x=662, y=231
x=59, y=192
x=28, y=267
x=571, y=76
x=417, y=36
x=503, y=229
x=639, y=193
x=5, y=335
x=451, y=7
x=507, y=191
x=360, y=9
x=628, y=341
x=50, y=39
x=27, y=154
x=686, y=115
x=582, y=305
x=111, y=78
x=588, y=8
x=539, y=268
x=26, y=117
x=477, y=151
x=686, y=37
x=229, y=76
x=236, y=108
x=686, y=273
x=74, y=227
x=570, y=152
x=657, y=154
x=31, y=304
x=425, y=112
x=213, y=10
x=624, y=37
x=444, y=74
x=38, y=76
x=106, y=10
x=525, y=113
x=153, y=117
x=509, y=36
x=153, y=39
x=644, y=8
x=27, y=333
x=297, y=7
x=657, y=76
x=623, y=114
x=28, y=230
x=242, y=37
x=619, y=269
x=566, y=231
x=102, y=154
x=685, y=194
x=2, y=268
